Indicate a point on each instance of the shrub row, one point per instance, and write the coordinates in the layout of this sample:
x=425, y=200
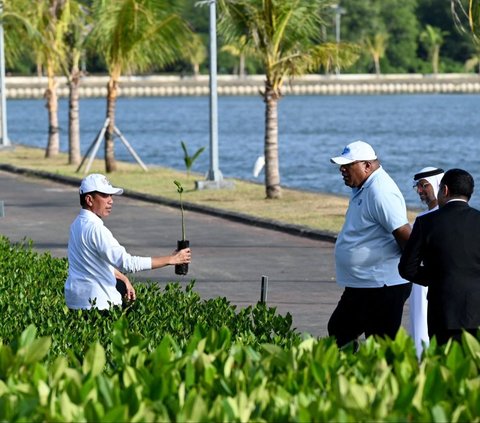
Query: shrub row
x=31, y=293
x=171, y=356
x=212, y=378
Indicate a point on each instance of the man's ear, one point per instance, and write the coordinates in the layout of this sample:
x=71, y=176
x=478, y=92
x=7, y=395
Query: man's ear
x=368, y=166
x=89, y=200
x=445, y=190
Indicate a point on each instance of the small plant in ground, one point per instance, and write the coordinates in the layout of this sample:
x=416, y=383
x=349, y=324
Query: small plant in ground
x=189, y=160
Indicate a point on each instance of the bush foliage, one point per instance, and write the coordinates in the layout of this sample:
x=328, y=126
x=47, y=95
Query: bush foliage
x=172, y=357
x=31, y=293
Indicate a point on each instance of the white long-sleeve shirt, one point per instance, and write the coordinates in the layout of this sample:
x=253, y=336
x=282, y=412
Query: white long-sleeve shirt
x=93, y=254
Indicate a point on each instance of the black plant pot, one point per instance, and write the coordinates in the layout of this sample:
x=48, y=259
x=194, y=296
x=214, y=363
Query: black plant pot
x=182, y=269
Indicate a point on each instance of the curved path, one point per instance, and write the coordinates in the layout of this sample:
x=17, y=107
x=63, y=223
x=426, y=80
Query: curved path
x=229, y=258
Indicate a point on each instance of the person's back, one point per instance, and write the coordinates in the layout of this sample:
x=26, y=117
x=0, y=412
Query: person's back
x=443, y=253
x=452, y=255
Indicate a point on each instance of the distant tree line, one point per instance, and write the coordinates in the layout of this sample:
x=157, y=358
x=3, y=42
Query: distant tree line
x=281, y=39
x=395, y=36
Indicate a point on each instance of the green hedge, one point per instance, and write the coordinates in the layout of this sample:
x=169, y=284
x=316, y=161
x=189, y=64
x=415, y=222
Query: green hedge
x=173, y=357
x=212, y=378
x=31, y=293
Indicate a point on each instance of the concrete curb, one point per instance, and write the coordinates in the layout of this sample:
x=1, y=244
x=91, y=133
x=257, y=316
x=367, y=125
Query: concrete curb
x=296, y=230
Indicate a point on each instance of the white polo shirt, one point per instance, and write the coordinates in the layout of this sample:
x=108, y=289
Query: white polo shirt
x=93, y=253
x=366, y=253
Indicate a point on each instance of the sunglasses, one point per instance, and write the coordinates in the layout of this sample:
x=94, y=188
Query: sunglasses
x=421, y=186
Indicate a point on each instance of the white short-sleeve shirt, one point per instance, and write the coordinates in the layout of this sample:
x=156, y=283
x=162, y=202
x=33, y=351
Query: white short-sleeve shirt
x=366, y=252
x=93, y=254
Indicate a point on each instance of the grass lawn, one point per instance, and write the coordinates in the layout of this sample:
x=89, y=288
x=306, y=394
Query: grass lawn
x=314, y=210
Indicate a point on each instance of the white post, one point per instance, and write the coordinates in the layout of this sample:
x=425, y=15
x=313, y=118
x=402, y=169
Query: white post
x=4, y=141
x=214, y=173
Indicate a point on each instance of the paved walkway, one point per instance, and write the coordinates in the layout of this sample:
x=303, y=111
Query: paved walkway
x=229, y=258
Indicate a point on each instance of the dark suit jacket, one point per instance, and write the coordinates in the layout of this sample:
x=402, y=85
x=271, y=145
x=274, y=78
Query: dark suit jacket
x=443, y=253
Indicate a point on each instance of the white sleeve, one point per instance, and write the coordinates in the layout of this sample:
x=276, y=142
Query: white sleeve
x=110, y=250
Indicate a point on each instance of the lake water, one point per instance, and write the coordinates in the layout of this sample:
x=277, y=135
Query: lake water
x=408, y=132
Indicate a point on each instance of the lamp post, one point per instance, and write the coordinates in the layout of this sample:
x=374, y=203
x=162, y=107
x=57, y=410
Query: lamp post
x=214, y=178
x=4, y=141
x=339, y=11
x=214, y=173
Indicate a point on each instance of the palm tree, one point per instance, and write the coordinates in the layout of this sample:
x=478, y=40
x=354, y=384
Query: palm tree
x=16, y=31
x=43, y=24
x=79, y=26
x=284, y=34
x=53, y=24
x=474, y=61
x=376, y=46
x=239, y=49
x=195, y=53
x=432, y=38
x=473, y=15
x=133, y=35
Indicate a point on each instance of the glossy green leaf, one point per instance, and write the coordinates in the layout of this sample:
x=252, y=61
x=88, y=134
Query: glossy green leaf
x=472, y=346
x=27, y=336
x=36, y=350
x=94, y=362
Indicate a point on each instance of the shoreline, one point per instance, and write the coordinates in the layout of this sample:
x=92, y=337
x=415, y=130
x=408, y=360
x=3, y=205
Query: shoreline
x=297, y=230
x=321, y=216
x=26, y=87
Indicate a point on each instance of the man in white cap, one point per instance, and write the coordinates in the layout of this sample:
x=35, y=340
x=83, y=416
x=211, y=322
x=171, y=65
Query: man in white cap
x=96, y=259
x=368, y=249
x=426, y=183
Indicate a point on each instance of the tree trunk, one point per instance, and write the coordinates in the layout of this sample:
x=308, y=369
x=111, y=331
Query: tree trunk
x=196, y=70
x=53, y=145
x=74, y=156
x=110, y=162
x=376, y=60
x=241, y=66
x=435, y=59
x=272, y=173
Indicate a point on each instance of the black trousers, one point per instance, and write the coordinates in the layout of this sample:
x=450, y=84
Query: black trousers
x=121, y=287
x=373, y=311
x=444, y=335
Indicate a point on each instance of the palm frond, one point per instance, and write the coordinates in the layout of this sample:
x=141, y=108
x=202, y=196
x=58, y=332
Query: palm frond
x=283, y=33
x=135, y=34
x=474, y=17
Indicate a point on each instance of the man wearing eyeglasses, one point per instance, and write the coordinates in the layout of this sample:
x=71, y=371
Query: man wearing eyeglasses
x=426, y=184
x=368, y=249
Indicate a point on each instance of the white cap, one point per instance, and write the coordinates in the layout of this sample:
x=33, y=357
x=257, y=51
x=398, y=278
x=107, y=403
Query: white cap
x=355, y=151
x=98, y=182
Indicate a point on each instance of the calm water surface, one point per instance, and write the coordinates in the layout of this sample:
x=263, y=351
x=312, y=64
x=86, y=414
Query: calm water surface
x=407, y=131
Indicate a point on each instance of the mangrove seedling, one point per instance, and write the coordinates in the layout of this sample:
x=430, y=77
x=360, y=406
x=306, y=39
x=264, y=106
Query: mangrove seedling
x=180, y=192
x=189, y=160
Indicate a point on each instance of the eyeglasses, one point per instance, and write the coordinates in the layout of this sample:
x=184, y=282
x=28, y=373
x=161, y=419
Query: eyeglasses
x=421, y=186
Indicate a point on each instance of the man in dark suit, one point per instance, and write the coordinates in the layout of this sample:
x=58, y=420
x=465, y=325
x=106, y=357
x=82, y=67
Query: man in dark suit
x=443, y=253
